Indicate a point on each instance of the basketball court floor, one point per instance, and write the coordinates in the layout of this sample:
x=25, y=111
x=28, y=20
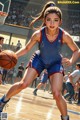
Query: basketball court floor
x=26, y=106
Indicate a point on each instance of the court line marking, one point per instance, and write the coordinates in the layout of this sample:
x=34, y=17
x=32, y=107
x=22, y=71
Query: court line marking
x=74, y=112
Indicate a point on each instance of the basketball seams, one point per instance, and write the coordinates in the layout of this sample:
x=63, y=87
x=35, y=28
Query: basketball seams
x=8, y=59
x=11, y=57
x=6, y=65
x=15, y=61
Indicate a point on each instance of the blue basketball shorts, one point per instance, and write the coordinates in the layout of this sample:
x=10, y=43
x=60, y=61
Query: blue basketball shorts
x=44, y=81
x=36, y=63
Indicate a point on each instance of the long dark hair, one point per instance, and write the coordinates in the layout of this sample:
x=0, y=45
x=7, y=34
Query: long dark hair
x=1, y=38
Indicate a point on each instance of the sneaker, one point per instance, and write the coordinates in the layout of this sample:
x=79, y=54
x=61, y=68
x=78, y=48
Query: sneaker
x=34, y=92
x=2, y=103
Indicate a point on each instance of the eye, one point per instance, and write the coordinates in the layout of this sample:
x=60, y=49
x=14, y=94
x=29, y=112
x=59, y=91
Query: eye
x=48, y=19
x=57, y=20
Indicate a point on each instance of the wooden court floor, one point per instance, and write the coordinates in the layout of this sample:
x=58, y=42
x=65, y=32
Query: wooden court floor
x=26, y=106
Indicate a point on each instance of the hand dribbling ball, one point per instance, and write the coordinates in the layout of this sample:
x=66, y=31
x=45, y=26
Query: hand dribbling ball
x=8, y=59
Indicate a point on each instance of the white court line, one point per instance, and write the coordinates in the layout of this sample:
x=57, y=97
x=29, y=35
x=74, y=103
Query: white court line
x=74, y=112
x=50, y=114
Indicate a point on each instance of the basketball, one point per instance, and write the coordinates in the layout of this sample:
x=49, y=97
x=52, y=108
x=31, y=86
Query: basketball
x=8, y=59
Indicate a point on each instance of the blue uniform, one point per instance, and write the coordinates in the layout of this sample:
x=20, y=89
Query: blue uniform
x=44, y=77
x=48, y=56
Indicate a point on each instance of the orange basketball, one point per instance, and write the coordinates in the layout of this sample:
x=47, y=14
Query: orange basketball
x=8, y=59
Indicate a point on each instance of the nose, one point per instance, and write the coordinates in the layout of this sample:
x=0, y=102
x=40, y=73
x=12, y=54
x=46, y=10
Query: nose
x=52, y=22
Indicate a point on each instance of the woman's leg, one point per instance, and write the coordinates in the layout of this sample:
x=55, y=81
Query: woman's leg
x=36, y=89
x=29, y=75
x=45, y=84
x=70, y=89
x=56, y=86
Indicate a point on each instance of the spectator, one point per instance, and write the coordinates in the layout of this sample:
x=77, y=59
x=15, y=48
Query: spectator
x=20, y=71
x=12, y=47
x=64, y=89
x=1, y=40
x=44, y=78
x=10, y=75
x=19, y=45
x=74, y=77
x=4, y=76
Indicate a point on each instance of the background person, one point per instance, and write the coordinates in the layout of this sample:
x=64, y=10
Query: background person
x=64, y=89
x=19, y=45
x=43, y=82
x=20, y=72
x=74, y=77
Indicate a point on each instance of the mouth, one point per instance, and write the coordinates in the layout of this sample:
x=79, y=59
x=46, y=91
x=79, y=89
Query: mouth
x=51, y=26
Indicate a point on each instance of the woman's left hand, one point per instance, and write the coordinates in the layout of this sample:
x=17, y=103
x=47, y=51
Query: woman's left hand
x=66, y=62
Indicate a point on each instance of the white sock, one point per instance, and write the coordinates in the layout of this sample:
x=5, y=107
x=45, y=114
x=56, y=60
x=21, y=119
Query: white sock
x=65, y=117
x=5, y=99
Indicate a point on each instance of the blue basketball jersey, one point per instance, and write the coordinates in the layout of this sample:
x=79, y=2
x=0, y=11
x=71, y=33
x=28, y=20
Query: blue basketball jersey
x=50, y=51
x=49, y=54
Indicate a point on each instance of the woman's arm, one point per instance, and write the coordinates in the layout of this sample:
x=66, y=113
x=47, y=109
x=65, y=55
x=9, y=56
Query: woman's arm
x=71, y=80
x=72, y=45
x=34, y=39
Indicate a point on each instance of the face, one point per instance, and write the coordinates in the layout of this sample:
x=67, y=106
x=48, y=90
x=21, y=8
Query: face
x=52, y=21
x=1, y=41
x=77, y=67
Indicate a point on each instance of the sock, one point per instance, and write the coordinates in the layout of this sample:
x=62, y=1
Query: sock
x=65, y=117
x=4, y=99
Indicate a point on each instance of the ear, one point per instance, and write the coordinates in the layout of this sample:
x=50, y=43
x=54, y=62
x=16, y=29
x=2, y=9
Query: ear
x=44, y=21
x=61, y=22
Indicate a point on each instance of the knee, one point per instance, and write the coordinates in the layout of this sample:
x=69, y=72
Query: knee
x=23, y=85
x=57, y=95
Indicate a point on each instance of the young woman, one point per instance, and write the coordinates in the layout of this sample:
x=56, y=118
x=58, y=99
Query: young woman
x=50, y=39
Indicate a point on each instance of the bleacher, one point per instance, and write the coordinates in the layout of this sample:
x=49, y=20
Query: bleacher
x=21, y=12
